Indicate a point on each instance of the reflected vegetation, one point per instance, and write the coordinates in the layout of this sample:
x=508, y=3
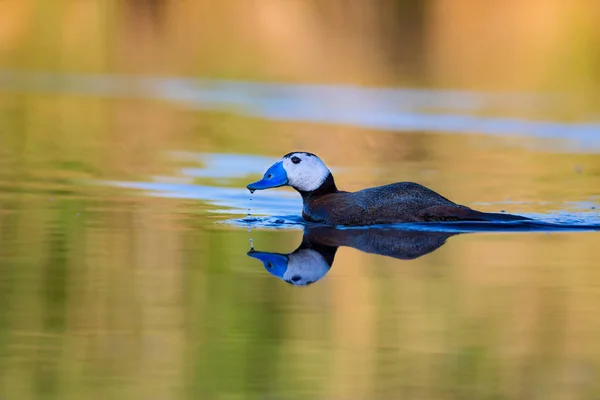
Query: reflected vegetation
x=316, y=253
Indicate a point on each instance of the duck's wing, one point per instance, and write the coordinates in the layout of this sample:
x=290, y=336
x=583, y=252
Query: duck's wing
x=470, y=215
x=397, y=202
x=411, y=202
x=394, y=203
x=405, y=202
x=444, y=213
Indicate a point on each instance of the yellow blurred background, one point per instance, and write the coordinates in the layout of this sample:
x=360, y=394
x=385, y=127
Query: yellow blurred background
x=463, y=43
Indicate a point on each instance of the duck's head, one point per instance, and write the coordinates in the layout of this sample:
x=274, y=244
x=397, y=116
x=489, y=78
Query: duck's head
x=303, y=171
x=301, y=268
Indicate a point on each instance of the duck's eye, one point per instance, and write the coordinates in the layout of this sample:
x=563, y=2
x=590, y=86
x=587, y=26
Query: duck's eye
x=296, y=160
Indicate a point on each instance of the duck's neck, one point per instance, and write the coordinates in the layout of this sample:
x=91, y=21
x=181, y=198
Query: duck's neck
x=327, y=252
x=327, y=187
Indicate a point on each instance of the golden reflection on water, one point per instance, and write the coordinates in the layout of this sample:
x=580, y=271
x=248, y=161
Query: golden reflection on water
x=106, y=293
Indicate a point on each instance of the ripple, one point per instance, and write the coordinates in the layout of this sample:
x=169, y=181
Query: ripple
x=236, y=200
x=565, y=223
x=559, y=220
x=281, y=222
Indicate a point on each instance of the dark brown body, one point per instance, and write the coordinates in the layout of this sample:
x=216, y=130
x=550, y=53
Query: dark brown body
x=394, y=203
x=393, y=242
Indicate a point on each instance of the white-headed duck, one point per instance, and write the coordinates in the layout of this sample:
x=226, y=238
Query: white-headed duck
x=394, y=203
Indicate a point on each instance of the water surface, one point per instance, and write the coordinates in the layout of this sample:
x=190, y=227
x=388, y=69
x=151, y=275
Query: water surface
x=125, y=258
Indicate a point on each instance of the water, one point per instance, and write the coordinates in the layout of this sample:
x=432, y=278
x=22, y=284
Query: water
x=134, y=264
x=128, y=267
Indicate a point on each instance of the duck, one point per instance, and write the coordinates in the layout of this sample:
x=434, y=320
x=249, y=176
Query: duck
x=400, y=202
x=314, y=257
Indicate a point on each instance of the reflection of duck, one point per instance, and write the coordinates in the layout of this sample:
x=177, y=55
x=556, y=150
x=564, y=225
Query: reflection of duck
x=393, y=203
x=314, y=257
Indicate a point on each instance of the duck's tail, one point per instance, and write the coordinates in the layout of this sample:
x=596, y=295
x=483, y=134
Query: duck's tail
x=498, y=217
x=461, y=213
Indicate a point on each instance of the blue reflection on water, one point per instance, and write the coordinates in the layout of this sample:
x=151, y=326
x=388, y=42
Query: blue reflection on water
x=236, y=200
x=222, y=165
x=395, y=109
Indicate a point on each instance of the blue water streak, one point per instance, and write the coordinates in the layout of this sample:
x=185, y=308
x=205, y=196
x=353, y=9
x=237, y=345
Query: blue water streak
x=390, y=109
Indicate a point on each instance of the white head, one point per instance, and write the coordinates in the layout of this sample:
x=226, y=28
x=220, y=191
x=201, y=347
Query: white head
x=302, y=171
x=305, y=171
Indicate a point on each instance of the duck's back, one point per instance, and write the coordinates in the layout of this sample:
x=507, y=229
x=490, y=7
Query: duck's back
x=394, y=203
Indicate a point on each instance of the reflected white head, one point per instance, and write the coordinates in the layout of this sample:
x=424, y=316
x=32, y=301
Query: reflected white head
x=305, y=267
x=305, y=171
